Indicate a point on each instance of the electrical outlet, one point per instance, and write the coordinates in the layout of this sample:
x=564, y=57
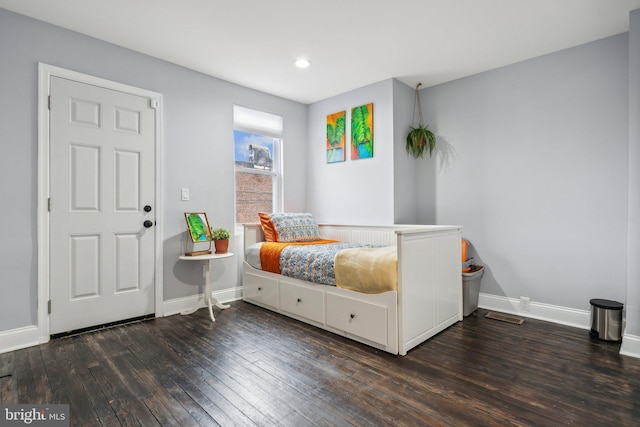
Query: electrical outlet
x=525, y=303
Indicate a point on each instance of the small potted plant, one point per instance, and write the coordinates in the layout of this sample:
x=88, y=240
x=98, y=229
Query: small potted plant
x=220, y=238
x=420, y=138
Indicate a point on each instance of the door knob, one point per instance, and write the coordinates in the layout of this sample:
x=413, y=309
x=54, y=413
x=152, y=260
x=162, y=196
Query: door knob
x=147, y=208
x=147, y=224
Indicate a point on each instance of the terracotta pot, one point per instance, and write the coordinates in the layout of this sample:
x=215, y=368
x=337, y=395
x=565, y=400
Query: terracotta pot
x=221, y=246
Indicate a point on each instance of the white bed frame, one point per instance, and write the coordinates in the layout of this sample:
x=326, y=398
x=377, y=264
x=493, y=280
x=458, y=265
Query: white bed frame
x=429, y=297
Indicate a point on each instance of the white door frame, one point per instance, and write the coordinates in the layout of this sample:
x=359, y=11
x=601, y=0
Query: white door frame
x=45, y=72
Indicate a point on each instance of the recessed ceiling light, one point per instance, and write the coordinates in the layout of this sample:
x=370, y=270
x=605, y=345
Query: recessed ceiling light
x=302, y=63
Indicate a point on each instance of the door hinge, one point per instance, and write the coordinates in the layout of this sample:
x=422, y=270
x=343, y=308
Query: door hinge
x=49, y=307
x=49, y=103
x=153, y=103
x=49, y=204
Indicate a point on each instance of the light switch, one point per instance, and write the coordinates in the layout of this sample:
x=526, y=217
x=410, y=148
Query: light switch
x=185, y=194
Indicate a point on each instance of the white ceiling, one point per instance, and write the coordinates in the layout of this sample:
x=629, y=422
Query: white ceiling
x=351, y=43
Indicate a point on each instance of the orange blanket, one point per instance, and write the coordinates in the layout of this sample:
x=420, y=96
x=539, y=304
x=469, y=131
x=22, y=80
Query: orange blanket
x=270, y=253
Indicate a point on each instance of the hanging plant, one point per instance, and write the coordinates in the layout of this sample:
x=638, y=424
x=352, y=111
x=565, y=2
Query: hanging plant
x=420, y=138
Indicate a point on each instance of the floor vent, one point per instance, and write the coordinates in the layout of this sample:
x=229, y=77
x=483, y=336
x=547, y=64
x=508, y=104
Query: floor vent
x=505, y=318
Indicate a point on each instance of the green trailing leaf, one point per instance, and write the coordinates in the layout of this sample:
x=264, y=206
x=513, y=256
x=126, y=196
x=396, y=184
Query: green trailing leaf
x=419, y=140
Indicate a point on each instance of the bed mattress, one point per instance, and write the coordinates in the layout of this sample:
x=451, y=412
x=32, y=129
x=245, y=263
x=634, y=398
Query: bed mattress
x=357, y=267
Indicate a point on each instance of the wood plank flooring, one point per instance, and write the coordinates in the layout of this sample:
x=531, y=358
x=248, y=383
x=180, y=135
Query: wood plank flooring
x=253, y=367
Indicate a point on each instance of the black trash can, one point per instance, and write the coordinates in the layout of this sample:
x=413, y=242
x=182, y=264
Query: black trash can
x=606, y=320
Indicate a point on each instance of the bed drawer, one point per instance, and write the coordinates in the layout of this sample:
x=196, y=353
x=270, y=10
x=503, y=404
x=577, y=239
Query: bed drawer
x=359, y=318
x=261, y=290
x=302, y=301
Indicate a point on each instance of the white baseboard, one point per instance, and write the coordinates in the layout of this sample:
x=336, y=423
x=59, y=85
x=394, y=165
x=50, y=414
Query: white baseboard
x=28, y=336
x=556, y=314
x=16, y=339
x=178, y=305
x=550, y=313
x=630, y=345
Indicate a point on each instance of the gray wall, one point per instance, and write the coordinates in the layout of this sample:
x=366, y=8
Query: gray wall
x=539, y=161
x=404, y=170
x=536, y=172
x=380, y=190
x=353, y=191
x=198, y=117
x=633, y=254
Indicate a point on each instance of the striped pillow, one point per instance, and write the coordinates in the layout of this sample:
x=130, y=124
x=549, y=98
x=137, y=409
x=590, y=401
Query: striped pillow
x=295, y=227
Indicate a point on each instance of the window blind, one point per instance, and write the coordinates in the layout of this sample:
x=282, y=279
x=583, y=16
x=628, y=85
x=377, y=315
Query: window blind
x=255, y=121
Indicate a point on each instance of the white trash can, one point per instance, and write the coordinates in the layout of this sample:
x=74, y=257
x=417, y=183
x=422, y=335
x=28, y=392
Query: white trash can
x=471, y=289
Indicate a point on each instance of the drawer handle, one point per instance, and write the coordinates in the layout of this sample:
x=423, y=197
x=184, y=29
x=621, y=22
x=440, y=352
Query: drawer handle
x=299, y=300
x=353, y=316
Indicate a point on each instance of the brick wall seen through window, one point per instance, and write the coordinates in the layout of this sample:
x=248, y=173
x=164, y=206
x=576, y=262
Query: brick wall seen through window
x=254, y=193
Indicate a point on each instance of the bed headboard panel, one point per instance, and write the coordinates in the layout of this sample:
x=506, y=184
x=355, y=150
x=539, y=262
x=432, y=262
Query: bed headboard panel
x=383, y=235
x=252, y=234
x=371, y=235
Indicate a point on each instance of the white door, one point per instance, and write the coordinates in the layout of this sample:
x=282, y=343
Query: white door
x=102, y=186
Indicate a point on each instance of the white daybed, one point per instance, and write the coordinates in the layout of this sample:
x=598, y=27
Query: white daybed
x=428, y=300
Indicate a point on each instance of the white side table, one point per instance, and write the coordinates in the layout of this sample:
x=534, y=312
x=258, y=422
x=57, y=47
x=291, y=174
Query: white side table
x=208, y=298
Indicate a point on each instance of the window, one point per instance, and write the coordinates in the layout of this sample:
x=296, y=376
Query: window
x=257, y=145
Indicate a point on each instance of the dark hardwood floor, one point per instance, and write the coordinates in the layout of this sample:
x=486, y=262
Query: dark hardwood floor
x=254, y=367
